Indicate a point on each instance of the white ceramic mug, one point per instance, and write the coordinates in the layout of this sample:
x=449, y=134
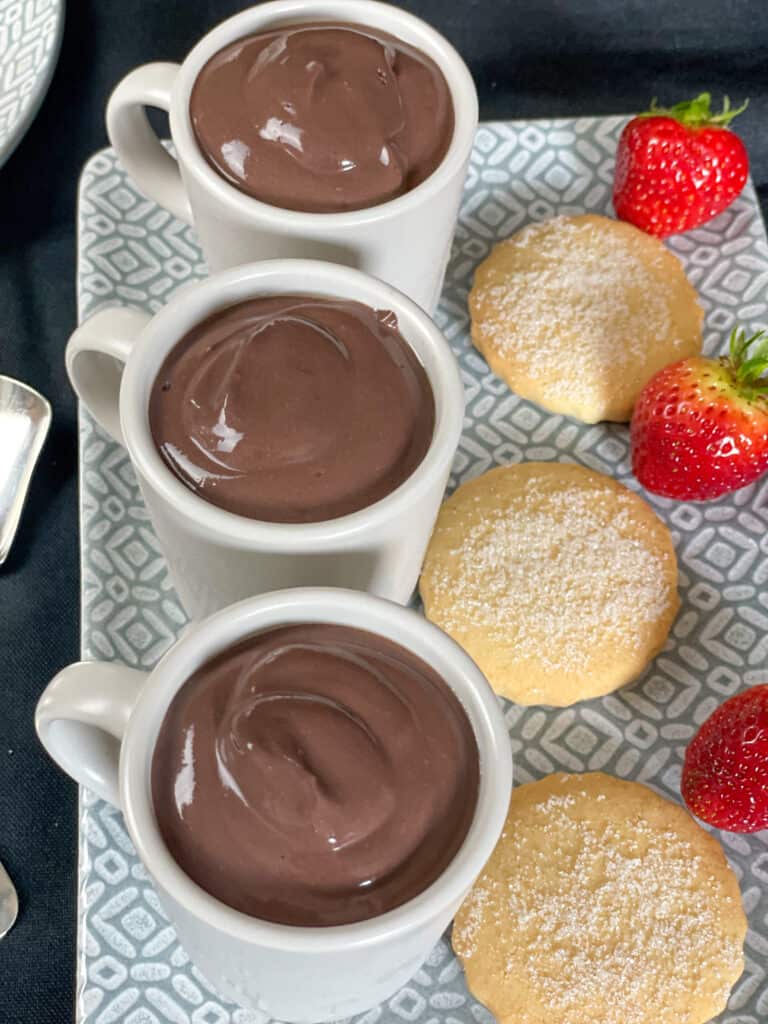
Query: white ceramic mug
x=100, y=723
x=216, y=557
x=405, y=241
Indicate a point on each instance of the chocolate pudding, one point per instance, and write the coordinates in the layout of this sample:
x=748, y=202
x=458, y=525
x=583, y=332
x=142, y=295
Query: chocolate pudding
x=293, y=409
x=322, y=117
x=315, y=775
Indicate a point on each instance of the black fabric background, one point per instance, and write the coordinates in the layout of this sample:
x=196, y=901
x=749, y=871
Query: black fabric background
x=530, y=59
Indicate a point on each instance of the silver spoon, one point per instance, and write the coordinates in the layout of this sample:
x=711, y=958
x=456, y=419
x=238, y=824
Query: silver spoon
x=25, y=417
x=9, y=903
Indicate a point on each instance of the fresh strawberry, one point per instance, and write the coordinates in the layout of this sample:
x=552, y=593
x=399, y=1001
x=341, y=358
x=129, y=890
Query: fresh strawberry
x=678, y=168
x=700, y=427
x=725, y=773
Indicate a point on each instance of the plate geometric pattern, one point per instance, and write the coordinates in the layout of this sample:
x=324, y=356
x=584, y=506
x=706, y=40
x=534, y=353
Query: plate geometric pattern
x=29, y=37
x=131, y=969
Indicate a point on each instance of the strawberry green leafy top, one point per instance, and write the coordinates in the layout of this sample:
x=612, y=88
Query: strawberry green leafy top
x=697, y=113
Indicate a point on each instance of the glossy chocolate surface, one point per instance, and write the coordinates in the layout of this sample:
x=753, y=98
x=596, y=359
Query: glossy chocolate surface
x=315, y=775
x=293, y=408
x=322, y=117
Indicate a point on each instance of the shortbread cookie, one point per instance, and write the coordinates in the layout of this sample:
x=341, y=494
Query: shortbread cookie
x=602, y=903
x=558, y=581
x=578, y=313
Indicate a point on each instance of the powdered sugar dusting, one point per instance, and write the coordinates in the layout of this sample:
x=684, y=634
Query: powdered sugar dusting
x=481, y=901
x=563, y=319
x=623, y=919
x=553, y=577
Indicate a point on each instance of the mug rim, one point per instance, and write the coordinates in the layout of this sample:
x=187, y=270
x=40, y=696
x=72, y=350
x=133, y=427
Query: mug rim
x=345, y=607
x=453, y=68
x=199, y=299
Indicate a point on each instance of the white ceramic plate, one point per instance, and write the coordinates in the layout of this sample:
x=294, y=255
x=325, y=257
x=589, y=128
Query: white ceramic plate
x=30, y=36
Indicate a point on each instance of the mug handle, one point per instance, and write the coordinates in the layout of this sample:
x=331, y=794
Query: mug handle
x=80, y=720
x=140, y=151
x=96, y=354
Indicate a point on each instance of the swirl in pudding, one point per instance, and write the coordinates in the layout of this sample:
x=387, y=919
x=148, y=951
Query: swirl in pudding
x=293, y=409
x=322, y=117
x=315, y=775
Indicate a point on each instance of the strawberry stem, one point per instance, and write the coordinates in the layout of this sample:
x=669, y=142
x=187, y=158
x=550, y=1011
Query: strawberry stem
x=749, y=358
x=697, y=113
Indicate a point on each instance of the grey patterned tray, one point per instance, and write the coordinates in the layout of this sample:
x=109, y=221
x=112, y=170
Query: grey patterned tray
x=131, y=969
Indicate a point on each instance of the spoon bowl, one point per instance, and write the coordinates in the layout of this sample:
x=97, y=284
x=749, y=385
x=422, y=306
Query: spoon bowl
x=9, y=903
x=25, y=417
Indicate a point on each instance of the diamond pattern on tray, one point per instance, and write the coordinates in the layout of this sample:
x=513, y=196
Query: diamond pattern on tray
x=131, y=969
x=28, y=32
